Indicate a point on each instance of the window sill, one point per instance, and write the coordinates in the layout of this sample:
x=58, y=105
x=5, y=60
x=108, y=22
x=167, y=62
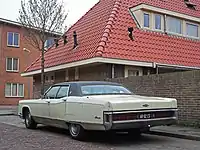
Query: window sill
x=148, y=28
x=192, y=37
x=174, y=33
x=13, y=46
x=11, y=71
x=182, y=35
x=158, y=30
x=14, y=96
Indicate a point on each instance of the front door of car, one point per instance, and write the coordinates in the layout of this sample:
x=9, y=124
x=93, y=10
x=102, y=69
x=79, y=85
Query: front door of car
x=58, y=105
x=48, y=97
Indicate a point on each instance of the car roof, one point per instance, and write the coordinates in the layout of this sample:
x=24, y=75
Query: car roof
x=87, y=83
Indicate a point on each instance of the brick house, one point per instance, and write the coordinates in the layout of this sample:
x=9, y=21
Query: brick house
x=122, y=38
x=16, y=54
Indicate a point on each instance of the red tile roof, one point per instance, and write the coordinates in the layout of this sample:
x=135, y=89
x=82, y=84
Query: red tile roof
x=102, y=31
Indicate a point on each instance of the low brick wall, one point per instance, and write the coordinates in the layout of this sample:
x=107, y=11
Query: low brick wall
x=184, y=86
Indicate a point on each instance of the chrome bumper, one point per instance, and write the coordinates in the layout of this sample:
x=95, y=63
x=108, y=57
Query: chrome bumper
x=142, y=123
x=139, y=123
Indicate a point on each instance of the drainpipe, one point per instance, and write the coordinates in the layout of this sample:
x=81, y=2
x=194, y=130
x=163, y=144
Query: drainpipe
x=157, y=71
x=156, y=67
x=27, y=52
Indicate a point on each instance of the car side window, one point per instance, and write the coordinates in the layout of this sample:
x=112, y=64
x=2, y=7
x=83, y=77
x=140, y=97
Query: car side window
x=51, y=94
x=63, y=92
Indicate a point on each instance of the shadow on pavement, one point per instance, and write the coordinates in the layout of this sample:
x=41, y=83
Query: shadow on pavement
x=115, y=139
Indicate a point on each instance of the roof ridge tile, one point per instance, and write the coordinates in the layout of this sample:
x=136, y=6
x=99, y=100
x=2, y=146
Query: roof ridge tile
x=106, y=33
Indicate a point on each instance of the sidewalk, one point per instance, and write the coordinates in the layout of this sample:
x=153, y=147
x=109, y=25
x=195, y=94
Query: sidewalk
x=177, y=132
x=8, y=110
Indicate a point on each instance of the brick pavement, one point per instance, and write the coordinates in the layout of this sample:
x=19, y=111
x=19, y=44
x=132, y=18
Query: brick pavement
x=19, y=138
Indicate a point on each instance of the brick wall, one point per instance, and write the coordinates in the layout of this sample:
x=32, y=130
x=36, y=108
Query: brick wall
x=184, y=86
x=25, y=59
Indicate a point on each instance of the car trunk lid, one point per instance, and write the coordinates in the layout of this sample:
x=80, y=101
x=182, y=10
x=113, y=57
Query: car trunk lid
x=136, y=102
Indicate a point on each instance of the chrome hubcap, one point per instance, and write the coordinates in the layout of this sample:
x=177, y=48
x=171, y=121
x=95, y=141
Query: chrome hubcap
x=75, y=129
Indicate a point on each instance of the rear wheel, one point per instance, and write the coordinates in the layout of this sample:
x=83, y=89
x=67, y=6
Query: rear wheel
x=29, y=122
x=77, y=132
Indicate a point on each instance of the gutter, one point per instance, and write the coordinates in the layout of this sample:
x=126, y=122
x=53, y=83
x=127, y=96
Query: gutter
x=160, y=65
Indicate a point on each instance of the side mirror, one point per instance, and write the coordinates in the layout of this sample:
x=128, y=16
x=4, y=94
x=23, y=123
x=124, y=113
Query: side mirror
x=44, y=96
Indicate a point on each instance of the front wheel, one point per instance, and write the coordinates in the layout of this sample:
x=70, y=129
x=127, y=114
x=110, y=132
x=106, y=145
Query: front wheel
x=29, y=122
x=77, y=132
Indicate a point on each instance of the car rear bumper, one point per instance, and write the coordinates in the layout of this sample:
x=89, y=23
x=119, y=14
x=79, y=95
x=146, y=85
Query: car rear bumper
x=162, y=117
x=141, y=124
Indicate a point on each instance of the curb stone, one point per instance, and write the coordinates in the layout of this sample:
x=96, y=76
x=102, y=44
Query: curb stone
x=181, y=136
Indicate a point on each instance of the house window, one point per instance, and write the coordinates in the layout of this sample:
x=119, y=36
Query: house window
x=192, y=30
x=133, y=73
x=146, y=20
x=158, y=22
x=49, y=43
x=174, y=25
x=13, y=39
x=14, y=90
x=50, y=77
x=12, y=64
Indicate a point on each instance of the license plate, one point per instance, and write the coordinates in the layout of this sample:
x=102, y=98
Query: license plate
x=146, y=116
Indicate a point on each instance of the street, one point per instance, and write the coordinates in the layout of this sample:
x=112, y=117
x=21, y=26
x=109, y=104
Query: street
x=14, y=136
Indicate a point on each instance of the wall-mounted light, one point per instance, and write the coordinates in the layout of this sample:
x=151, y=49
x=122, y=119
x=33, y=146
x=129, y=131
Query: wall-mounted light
x=27, y=50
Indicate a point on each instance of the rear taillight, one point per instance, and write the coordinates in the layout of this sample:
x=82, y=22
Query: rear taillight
x=137, y=116
x=120, y=117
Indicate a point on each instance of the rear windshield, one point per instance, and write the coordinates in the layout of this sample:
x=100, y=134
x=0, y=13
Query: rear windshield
x=104, y=90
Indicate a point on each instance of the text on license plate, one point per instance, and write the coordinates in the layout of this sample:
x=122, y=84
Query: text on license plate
x=146, y=116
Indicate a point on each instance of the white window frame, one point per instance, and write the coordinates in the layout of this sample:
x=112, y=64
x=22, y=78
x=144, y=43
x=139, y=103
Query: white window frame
x=49, y=75
x=139, y=11
x=170, y=32
x=12, y=64
x=11, y=96
x=150, y=24
x=127, y=68
x=13, y=40
x=45, y=45
x=187, y=22
x=161, y=21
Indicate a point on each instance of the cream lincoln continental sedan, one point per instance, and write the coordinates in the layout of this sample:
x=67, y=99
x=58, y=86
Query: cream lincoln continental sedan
x=95, y=105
